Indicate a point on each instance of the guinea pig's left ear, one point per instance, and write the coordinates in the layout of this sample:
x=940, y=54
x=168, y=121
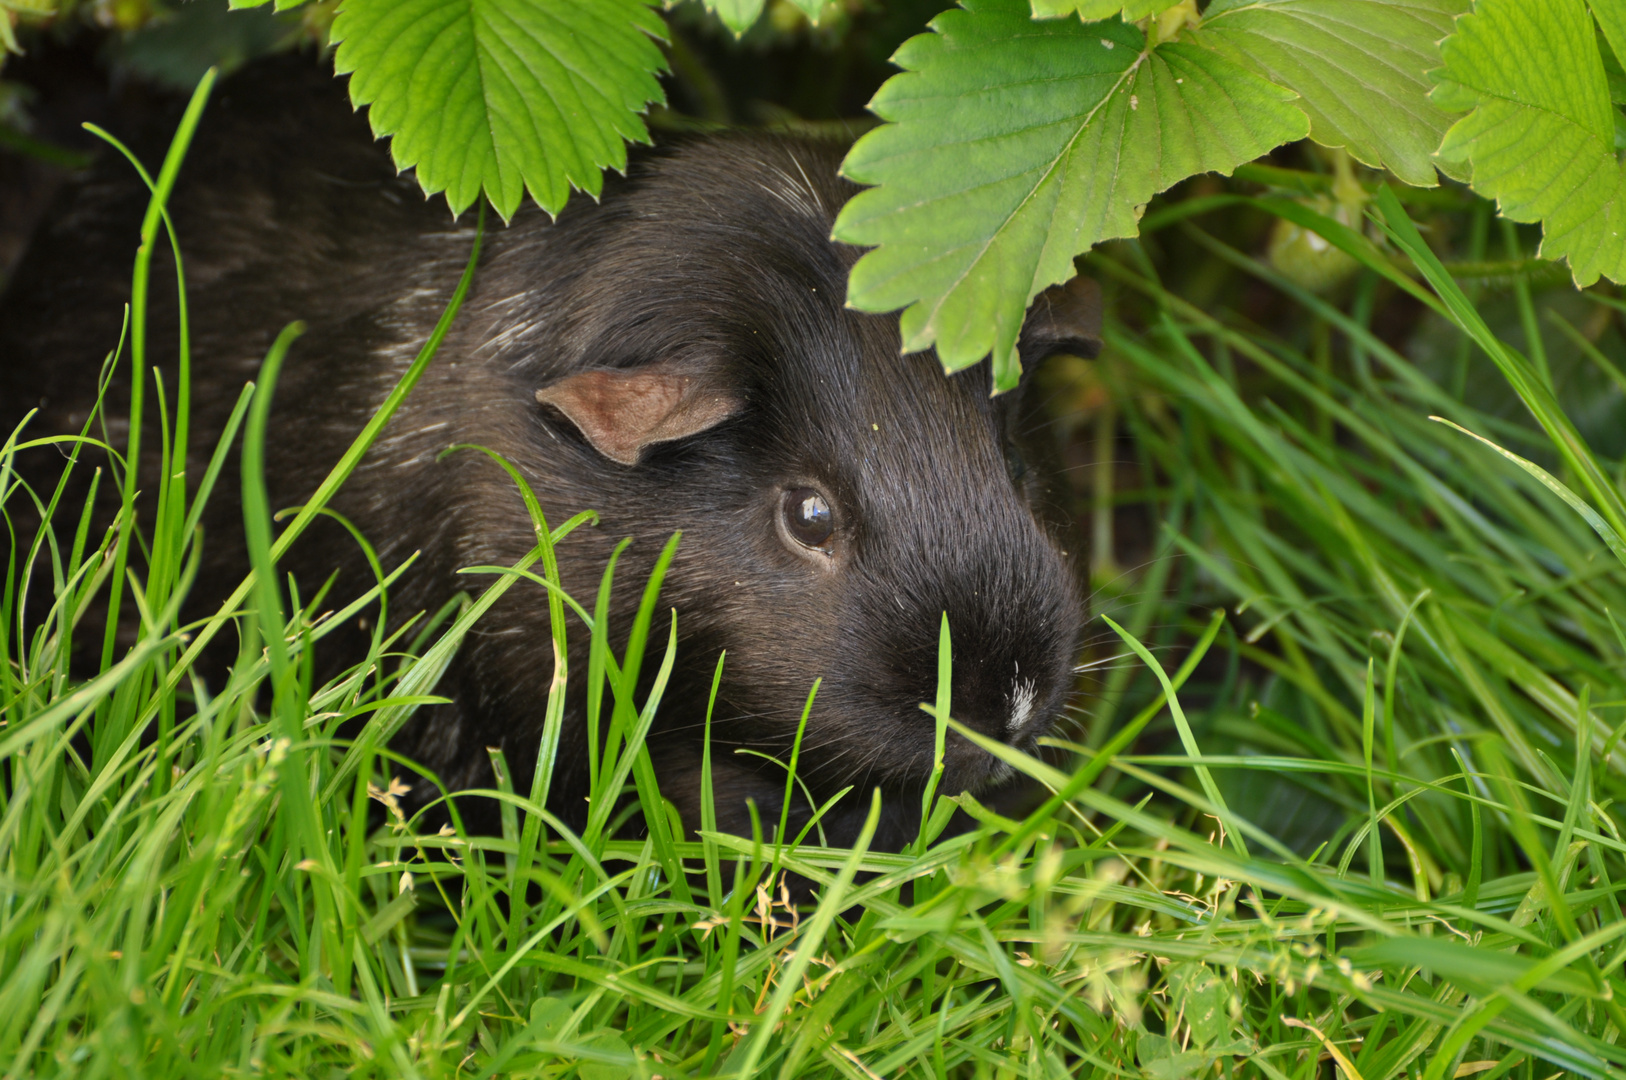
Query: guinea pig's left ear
x=1065, y=318
x=622, y=411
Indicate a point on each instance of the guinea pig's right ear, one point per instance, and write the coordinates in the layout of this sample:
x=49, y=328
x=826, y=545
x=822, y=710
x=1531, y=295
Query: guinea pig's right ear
x=622, y=411
x=1065, y=318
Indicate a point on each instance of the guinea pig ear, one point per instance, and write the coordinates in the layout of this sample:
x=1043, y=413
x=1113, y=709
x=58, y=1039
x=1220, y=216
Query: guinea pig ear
x=622, y=411
x=1065, y=318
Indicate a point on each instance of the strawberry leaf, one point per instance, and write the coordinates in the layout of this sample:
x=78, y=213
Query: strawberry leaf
x=737, y=15
x=504, y=96
x=1541, y=136
x=1017, y=144
x=1092, y=10
x=1357, y=65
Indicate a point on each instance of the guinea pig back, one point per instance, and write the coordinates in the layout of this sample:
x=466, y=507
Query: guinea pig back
x=676, y=356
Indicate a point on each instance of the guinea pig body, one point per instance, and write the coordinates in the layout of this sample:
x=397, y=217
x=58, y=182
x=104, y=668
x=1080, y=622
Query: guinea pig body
x=676, y=356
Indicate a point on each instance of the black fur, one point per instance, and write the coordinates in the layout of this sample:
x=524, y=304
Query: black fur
x=712, y=250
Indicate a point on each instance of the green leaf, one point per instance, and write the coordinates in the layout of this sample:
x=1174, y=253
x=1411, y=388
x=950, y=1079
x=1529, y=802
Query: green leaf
x=606, y=1042
x=549, y=1016
x=1187, y=1065
x=1357, y=65
x=738, y=15
x=507, y=96
x=176, y=50
x=1203, y=1000
x=1014, y=146
x=1541, y=136
x=1094, y=10
x=1611, y=16
x=281, y=5
x=813, y=9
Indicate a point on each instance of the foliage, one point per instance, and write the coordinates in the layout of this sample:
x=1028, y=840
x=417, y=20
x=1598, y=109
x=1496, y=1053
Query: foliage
x=1541, y=133
x=542, y=93
x=1060, y=132
x=1023, y=132
x=740, y=15
x=8, y=37
x=1417, y=640
x=1014, y=147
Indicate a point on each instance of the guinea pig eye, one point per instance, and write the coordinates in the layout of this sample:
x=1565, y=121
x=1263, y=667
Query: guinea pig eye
x=808, y=518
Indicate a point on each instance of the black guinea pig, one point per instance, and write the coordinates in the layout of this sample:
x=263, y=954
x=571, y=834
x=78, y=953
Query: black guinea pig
x=676, y=355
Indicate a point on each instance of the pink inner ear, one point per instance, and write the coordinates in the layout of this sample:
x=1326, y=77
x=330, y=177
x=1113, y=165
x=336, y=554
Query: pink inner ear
x=621, y=412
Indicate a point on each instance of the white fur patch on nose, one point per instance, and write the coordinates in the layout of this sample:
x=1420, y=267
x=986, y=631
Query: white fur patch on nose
x=1022, y=695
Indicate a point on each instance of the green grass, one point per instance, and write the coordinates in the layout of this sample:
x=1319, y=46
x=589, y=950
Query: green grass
x=1381, y=841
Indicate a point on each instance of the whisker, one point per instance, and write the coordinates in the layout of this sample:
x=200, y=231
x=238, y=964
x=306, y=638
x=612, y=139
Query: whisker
x=1093, y=665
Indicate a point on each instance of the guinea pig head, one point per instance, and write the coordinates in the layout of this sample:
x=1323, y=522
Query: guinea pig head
x=893, y=496
x=837, y=500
